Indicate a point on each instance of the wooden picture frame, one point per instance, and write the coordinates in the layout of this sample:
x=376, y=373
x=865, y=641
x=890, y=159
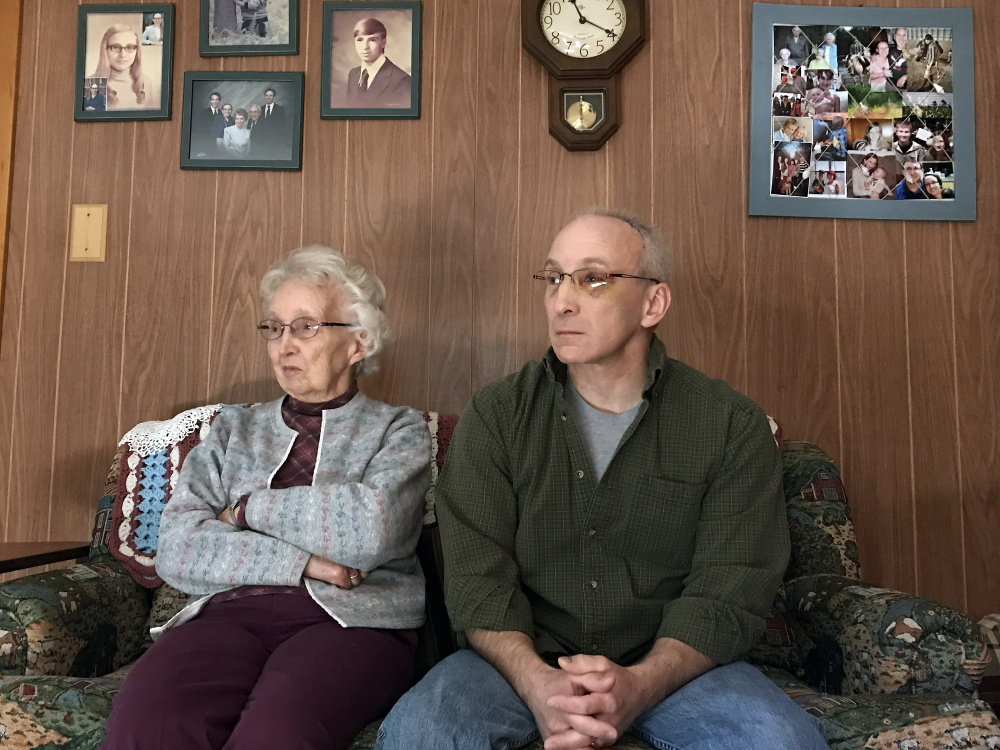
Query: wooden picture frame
x=875, y=107
x=265, y=141
x=394, y=89
x=240, y=27
x=124, y=57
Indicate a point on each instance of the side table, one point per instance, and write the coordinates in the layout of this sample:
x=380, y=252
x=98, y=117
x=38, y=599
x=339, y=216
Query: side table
x=22, y=555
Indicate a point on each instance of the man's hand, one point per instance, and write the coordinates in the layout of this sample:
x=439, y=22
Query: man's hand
x=668, y=666
x=327, y=571
x=546, y=689
x=623, y=698
x=513, y=655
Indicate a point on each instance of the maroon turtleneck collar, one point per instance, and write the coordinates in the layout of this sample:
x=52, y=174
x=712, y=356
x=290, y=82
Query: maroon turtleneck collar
x=308, y=409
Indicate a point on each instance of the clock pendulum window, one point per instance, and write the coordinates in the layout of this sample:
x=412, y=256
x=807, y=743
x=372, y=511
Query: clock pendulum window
x=583, y=44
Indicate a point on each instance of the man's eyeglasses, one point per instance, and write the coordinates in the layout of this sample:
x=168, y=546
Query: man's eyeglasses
x=117, y=49
x=301, y=328
x=588, y=279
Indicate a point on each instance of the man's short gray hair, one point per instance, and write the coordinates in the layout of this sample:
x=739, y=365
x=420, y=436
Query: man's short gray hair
x=364, y=290
x=654, y=260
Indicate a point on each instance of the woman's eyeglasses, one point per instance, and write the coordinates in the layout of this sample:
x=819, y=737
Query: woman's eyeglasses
x=301, y=328
x=117, y=49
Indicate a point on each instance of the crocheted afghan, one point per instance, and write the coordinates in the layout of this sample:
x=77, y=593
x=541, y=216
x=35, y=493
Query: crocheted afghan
x=151, y=459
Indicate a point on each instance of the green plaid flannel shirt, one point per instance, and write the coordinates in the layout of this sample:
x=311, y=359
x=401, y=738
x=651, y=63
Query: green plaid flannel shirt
x=685, y=536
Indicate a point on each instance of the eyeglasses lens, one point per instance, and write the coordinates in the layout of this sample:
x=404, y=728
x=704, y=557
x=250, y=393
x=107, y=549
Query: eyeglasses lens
x=300, y=328
x=586, y=279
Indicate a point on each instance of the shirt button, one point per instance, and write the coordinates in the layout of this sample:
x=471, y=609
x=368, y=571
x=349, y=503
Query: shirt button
x=579, y=473
x=593, y=584
x=563, y=417
x=593, y=647
x=592, y=533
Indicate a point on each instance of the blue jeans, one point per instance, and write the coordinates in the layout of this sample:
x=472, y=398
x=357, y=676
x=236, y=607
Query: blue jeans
x=465, y=704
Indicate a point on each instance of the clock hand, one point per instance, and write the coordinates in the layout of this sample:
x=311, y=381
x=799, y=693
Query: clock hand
x=584, y=19
x=609, y=32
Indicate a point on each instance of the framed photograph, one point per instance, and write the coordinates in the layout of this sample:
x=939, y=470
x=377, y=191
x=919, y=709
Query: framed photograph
x=249, y=27
x=862, y=113
x=371, y=60
x=124, y=55
x=242, y=120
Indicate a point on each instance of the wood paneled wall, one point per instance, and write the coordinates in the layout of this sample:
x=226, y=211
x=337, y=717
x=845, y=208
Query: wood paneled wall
x=878, y=340
x=10, y=19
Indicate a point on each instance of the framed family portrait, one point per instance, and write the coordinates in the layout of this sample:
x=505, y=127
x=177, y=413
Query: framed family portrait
x=864, y=113
x=242, y=120
x=371, y=60
x=249, y=27
x=123, y=62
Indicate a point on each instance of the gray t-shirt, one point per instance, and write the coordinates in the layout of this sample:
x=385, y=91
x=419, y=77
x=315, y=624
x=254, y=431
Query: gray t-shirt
x=602, y=432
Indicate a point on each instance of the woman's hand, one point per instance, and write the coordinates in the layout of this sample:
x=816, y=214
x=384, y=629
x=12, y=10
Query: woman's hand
x=330, y=572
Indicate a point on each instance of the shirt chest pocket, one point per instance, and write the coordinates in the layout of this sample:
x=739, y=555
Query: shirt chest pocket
x=662, y=523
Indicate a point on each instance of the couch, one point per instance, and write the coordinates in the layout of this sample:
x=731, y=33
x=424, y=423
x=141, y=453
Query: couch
x=878, y=668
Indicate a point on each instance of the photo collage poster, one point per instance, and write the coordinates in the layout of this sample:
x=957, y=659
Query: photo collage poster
x=862, y=112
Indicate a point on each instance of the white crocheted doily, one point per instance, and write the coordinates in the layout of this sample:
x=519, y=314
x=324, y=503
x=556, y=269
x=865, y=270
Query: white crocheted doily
x=147, y=438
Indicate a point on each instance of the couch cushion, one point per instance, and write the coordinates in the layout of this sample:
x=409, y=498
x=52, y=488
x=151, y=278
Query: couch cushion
x=894, y=722
x=48, y=712
x=819, y=518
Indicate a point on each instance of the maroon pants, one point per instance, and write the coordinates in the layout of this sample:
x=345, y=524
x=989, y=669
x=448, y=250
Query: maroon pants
x=267, y=671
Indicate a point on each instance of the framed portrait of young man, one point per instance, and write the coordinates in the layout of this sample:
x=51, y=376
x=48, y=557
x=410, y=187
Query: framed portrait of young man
x=123, y=62
x=242, y=120
x=371, y=60
x=248, y=27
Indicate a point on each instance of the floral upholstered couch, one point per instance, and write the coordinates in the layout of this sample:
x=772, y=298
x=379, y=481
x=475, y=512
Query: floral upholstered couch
x=879, y=669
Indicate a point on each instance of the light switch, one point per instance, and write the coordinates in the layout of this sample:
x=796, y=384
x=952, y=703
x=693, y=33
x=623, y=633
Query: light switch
x=88, y=231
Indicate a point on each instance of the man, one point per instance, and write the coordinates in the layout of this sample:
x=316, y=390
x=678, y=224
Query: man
x=913, y=186
x=203, y=126
x=613, y=530
x=220, y=123
x=897, y=63
x=252, y=123
x=798, y=46
x=905, y=147
x=377, y=82
x=271, y=128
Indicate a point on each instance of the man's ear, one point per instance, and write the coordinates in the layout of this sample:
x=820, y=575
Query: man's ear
x=655, y=306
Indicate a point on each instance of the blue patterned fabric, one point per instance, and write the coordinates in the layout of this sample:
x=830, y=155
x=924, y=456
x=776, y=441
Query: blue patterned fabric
x=154, y=497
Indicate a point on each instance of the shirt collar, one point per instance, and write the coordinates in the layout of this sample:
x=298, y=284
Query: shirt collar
x=315, y=410
x=656, y=363
x=374, y=68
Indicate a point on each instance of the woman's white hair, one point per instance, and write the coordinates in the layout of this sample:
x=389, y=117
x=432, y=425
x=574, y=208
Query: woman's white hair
x=364, y=290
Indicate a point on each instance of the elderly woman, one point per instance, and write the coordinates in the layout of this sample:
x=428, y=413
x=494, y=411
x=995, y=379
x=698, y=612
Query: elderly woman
x=236, y=138
x=294, y=525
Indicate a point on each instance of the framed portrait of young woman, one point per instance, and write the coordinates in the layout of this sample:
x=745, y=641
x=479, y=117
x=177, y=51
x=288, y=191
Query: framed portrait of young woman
x=123, y=62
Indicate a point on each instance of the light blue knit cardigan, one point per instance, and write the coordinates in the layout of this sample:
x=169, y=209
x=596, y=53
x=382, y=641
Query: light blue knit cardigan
x=363, y=510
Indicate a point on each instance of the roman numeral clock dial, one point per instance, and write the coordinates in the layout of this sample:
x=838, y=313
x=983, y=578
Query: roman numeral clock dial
x=583, y=44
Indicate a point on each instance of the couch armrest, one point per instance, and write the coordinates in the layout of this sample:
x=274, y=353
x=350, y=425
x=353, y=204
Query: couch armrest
x=859, y=639
x=83, y=621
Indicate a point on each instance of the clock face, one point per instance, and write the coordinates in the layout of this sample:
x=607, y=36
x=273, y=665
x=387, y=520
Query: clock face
x=583, y=28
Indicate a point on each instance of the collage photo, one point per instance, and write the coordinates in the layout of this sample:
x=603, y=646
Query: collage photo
x=862, y=112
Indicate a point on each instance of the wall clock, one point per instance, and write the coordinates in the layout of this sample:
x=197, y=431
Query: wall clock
x=583, y=44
